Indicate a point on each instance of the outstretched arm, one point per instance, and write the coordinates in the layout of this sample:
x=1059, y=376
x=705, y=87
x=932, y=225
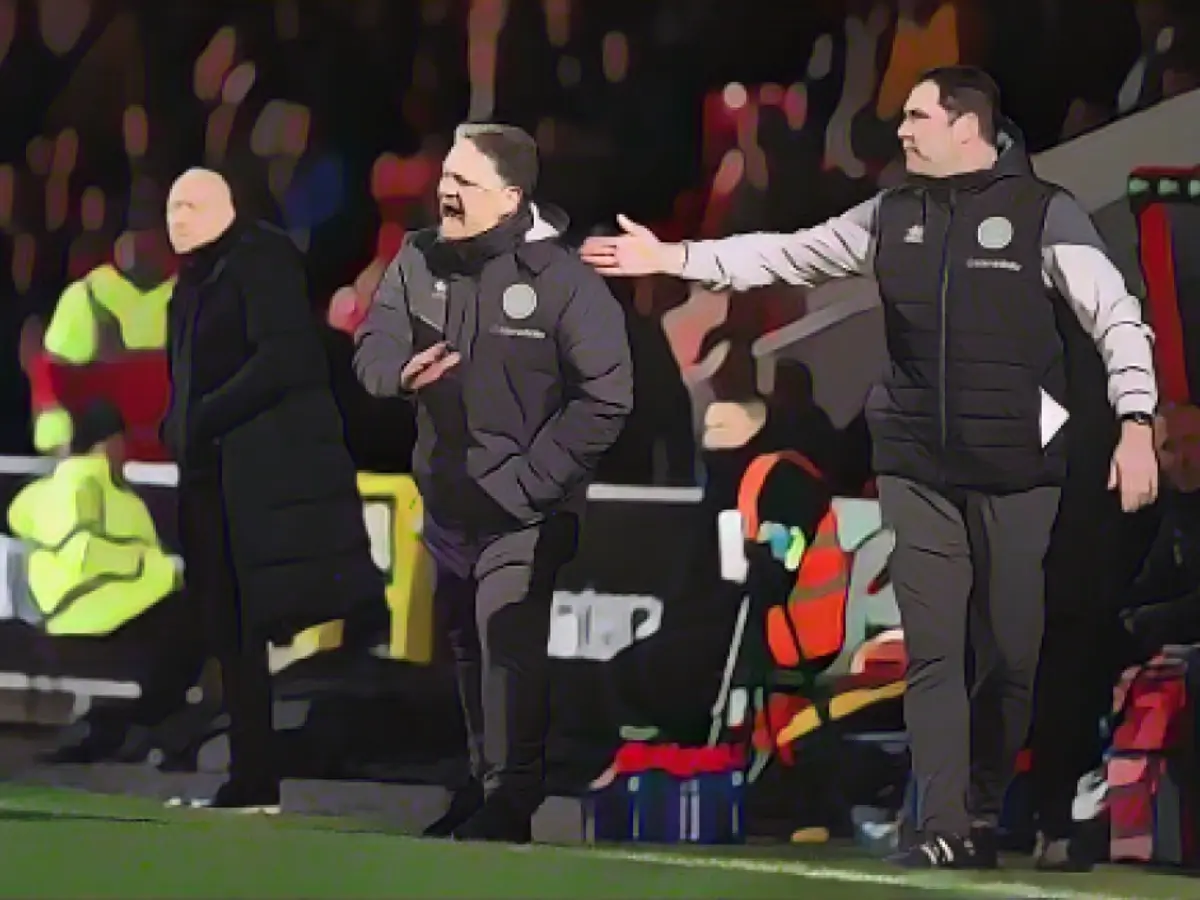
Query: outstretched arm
x=837, y=248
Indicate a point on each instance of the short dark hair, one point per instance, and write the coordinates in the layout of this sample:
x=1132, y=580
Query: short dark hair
x=967, y=89
x=512, y=150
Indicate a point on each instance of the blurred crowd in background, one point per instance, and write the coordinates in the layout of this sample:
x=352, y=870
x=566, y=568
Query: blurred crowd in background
x=695, y=116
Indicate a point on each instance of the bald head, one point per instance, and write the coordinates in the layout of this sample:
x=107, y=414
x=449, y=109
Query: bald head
x=199, y=209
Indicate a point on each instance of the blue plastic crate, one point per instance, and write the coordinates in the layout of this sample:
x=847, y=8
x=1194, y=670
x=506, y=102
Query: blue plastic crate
x=655, y=807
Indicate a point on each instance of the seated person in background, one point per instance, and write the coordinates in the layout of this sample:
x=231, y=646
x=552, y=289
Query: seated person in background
x=84, y=560
x=1163, y=606
x=107, y=339
x=84, y=541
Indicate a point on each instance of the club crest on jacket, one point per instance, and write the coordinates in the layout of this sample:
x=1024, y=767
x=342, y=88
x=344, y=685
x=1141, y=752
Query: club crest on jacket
x=519, y=301
x=995, y=233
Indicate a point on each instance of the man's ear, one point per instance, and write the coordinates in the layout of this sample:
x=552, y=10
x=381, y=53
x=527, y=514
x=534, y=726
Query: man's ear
x=512, y=199
x=966, y=127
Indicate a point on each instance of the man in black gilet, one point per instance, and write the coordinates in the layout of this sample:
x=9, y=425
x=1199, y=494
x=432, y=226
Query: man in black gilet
x=984, y=271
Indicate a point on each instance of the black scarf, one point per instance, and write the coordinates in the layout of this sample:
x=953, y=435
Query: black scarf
x=469, y=256
x=195, y=267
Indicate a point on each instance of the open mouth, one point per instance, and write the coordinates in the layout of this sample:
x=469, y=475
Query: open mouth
x=451, y=208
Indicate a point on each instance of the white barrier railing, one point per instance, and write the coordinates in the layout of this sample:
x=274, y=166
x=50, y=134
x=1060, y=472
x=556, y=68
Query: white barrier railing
x=167, y=475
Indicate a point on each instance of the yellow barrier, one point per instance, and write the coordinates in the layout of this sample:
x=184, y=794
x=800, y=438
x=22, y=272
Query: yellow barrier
x=393, y=511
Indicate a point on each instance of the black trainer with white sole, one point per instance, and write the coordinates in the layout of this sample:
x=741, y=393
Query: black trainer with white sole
x=465, y=803
x=499, y=819
x=1073, y=854
x=945, y=851
x=986, y=841
x=233, y=798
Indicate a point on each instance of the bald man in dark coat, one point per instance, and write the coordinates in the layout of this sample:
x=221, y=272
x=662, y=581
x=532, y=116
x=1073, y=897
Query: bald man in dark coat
x=270, y=517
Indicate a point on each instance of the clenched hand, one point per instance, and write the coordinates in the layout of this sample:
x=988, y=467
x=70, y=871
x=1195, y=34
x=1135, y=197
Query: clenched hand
x=428, y=366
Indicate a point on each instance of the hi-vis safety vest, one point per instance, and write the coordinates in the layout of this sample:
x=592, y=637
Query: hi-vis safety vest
x=102, y=315
x=95, y=560
x=810, y=627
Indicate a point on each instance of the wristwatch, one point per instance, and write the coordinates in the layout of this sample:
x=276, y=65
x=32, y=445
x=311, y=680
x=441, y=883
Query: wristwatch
x=1139, y=418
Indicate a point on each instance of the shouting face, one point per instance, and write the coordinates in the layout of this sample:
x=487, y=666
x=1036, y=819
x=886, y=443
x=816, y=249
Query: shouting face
x=472, y=197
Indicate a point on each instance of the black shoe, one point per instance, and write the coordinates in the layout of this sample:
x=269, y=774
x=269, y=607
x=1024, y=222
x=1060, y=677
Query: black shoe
x=136, y=747
x=986, y=842
x=944, y=851
x=167, y=760
x=235, y=797
x=1062, y=855
x=87, y=742
x=464, y=803
x=498, y=819
x=82, y=753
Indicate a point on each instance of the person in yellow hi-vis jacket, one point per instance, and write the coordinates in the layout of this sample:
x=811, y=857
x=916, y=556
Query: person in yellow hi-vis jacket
x=92, y=558
x=103, y=316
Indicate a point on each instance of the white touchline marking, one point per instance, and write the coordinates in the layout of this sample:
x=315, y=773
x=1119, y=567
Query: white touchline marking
x=929, y=881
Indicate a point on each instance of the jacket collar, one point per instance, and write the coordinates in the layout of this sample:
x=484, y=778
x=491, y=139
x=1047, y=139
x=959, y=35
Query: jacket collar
x=1012, y=161
x=526, y=235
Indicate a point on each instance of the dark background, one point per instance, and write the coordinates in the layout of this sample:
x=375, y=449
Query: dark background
x=393, y=76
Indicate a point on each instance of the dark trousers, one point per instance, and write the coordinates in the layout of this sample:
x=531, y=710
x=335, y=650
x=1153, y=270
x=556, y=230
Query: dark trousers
x=1095, y=554
x=968, y=575
x=493, y=604
x=164, y=651
x=171, y=635
x=245, y=673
